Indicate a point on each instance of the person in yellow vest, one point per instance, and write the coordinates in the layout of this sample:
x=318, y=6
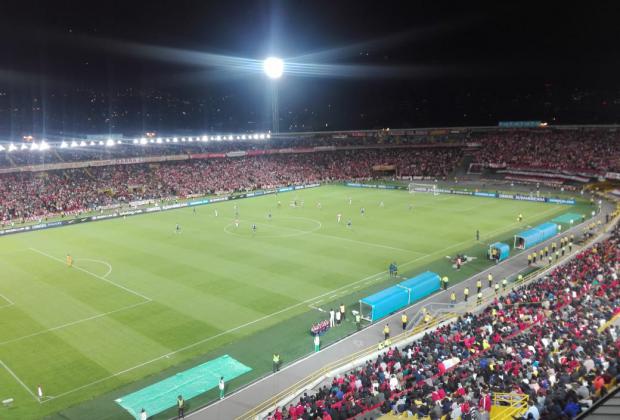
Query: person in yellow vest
x=504, y=284
x=479, y=285
x=520, y=278
x=444, y=282
x=403, y=319
x=181, y=407
x=529, y=259
x=343, y=312
x=541, y=254
x=358, y=321
x=553, y=247
x=490, y=279
x=466, y=294
x=550, y=260
x=546, y=251
x=496, y=289
x=570, y=247
x=534, y=254
x=276, y=362
x=69, y=260
x=453, y=298
x=427, y=318
x=479, y=298
x=557, y=255
x=386, y=332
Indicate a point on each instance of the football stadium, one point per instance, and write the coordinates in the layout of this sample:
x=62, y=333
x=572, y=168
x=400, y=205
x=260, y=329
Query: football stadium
x=235, y=260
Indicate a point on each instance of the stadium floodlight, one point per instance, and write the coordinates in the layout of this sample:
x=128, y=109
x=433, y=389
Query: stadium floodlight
x=167, y=140
x=24, y=147
x=273, y=67
x=218, y=138
x=183, y=139
x=175, y=140
x=119, y=142
x=34, y=146
x=44, y=146
x=74, y=144
x=255, y=136
x=63, y=145
x=100, y=142
x=230, y=137
x=92, y=143
x=151, y=141
x=110, y=143
x=135, y=141
x=12, y=147
x=268, y=135
x=1, y=148
x=205, y=138
x=243, y=137
x=82, y=143
x=189, y=139
x=159, y=141
x=143, y=141
x=261, y=136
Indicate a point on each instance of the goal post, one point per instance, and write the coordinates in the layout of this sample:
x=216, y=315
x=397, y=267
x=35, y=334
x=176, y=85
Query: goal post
x=423, y=187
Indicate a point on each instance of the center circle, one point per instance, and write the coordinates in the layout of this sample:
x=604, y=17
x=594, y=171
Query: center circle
x=300, y=226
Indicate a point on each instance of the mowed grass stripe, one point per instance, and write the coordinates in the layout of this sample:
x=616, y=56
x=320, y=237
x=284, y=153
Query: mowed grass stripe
x=210, y=288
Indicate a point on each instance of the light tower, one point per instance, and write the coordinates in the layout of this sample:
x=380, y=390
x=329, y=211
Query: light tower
x=274, y=68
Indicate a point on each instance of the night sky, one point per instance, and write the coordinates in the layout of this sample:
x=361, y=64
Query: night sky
x=129, y=66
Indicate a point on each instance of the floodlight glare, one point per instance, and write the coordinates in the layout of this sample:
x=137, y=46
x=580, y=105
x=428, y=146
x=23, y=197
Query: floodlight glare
x=273, y=67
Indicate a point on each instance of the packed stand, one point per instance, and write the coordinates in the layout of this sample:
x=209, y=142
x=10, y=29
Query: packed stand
x=33, y=195
x=576, y=151
x=540, y=340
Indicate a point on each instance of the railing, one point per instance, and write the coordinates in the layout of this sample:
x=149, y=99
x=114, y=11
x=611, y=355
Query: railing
x=514, y=404
x=298, y=387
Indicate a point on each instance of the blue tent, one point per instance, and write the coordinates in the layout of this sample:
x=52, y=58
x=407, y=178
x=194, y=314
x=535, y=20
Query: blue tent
x=384, y=302
x=536, y=235
x=502, y=250
x=421, y=285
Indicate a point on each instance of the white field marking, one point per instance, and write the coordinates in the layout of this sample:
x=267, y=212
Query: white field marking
x=107, y=264
x=97, y=276
x=72, y=323
x=9, y=302
x=299, y=232
x=317, y=308
x=19, y=380
x=247, y=324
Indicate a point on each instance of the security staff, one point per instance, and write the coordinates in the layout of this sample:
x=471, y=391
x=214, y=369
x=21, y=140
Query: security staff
x=490, y=279
x=343, y=312
x=529, y=259
x=504, y=283
x=466, y=293
x=386, y=332
x=276, y=362
x=403, y=319
x=479, y=285
x=181, y=406
x=496, y=289
x=453, y=298
x=479, y=299
x=444, y=282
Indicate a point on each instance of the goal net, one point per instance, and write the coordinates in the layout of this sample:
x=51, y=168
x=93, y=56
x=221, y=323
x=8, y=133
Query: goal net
x=423, y=187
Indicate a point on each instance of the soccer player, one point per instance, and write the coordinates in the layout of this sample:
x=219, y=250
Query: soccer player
x=318, y=205
x=279, y=204
x=215, y=212
x=236, y=223
x=363, y=211
x=349, y=223
x=269, y=215
x=477, y=235
x=69, y=261
x=253, y=227
x=222, y=387
x=381, y=204
x=178, y=228
x=339, y=217
x=410, y=206
x=350, y=201
x=519, y=217
x=194, y=211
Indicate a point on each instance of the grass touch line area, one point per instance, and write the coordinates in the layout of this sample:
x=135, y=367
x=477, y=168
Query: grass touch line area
x=210, y=292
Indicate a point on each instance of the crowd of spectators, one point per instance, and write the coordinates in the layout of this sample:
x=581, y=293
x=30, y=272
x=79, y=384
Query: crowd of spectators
x=32, y=195
x=541, y=340
x=587, y=151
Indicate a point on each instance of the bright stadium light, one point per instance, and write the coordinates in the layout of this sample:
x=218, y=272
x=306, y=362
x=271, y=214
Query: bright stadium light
x=175, y=140
x=82, y=143
x=273, y=67
x=74, y=144
x=100, y=142
x=92, y=143
x=1, y=147
x=12, y=147
x=64, y=145
x=135, y=141
x=110, y=143
x=44, y=146
x=243, y=137
x=24, y=147
x=268, y=135
x=205, y=138
x=34, y=146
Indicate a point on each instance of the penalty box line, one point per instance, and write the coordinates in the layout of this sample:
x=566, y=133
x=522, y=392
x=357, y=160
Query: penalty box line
x=268, y=316
x=90, y=273
x=19, y=381
x=9, y=302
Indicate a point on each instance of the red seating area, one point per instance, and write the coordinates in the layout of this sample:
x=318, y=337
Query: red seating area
x=540, y=340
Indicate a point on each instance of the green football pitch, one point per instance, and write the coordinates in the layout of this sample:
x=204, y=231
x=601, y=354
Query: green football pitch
x=143, y=301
